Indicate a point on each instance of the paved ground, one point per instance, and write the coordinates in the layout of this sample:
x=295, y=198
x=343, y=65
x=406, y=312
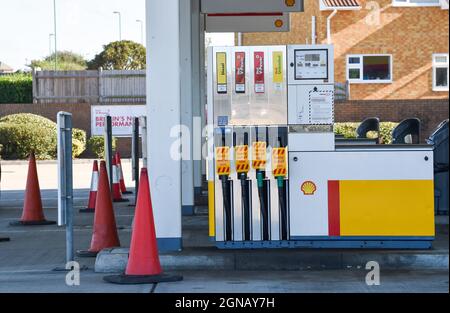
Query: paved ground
x=14, y=174
x=27, y=261
x=349, y=281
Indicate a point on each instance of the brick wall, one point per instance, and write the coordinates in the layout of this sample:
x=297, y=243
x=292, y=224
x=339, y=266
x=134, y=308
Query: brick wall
x=411, y=35
x=81, y=112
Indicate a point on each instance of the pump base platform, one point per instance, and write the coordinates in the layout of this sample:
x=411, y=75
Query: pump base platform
x=355, y=243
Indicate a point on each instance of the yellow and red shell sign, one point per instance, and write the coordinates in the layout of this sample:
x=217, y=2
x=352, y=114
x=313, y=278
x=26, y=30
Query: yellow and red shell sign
x=309, y=188
x=259, y=155
x=242, y=159
x=290, y=3
x=223, y=164
x=279, y=162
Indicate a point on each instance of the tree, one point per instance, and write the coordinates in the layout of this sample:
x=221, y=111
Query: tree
x=120, y=55
x=66, y=61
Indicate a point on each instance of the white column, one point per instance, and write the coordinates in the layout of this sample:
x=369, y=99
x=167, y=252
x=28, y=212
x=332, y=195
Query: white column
x=164, y=110
x=187, y=165
x=197, y=70
x=203, y=83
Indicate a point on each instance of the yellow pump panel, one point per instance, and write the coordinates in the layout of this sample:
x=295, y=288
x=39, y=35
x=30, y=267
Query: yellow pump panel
x=387, y=208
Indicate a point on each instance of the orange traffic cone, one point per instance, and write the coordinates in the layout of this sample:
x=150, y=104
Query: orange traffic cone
x=105, y=231
x=117, y=193
x=33, y=213
x=143, y=264
x=123, y=188
x=93, y=192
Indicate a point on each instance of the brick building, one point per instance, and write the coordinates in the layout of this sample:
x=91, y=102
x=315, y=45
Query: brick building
x=386, y=49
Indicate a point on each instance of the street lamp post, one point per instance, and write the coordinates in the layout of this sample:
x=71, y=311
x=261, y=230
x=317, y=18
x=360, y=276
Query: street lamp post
x=50, y=37
x=54, y=34
x=142, y=30
x=120, y=24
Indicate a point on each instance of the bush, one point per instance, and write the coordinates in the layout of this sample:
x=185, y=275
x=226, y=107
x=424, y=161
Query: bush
x=22, y=133
x=80, y=135
x=96, y=144
x=16, y=88
x=348, y=130
x=78, y=148
x=29, y=119
x=19, y=140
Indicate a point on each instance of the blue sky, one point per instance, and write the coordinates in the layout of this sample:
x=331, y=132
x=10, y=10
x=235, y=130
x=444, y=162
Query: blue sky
x=84, y=26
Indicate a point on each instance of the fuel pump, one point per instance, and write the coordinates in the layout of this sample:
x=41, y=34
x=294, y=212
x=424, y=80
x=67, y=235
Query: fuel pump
x=279, y=179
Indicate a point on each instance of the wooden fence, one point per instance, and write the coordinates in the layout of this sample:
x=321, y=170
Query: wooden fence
x=89, y=86
x=105, y=87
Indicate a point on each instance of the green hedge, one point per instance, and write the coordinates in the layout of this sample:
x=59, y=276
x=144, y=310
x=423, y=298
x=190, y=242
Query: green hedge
x=348, y=130
x=16, y=88
x=22, y=133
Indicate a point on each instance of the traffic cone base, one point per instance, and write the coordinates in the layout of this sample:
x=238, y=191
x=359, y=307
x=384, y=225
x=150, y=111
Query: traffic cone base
x=141, y=280
x=87, y=210
x=121, y=200
x=86, y=254
x=4, y=239
x=32, y=223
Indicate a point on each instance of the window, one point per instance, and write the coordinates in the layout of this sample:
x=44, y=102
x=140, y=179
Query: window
x=416, y=3
x=369, y=68
x=440, y=72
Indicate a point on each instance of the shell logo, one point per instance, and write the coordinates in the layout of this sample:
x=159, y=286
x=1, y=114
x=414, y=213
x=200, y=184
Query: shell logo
x=309, y=188
x=279, y=23
x=290, y=3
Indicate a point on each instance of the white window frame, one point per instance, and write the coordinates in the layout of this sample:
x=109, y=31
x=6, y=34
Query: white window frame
x=408, y=3
x=360, y=66
x=440, y=65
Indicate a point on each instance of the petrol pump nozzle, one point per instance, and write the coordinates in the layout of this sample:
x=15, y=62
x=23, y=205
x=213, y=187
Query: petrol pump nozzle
x=280, y=182
x=260, y=179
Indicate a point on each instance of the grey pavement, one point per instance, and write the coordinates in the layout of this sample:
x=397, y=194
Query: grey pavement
x=27, y=261
x=330, y=281
x=14, y=174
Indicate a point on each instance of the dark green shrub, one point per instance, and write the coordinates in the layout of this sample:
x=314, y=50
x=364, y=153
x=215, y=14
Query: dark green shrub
x=16, y=88
x=96, y=144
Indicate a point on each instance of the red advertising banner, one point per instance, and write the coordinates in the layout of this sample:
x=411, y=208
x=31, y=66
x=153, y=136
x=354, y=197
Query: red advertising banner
x=259, y=72
x=240, y=72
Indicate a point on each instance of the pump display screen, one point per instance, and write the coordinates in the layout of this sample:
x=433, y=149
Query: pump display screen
x=311, y=64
